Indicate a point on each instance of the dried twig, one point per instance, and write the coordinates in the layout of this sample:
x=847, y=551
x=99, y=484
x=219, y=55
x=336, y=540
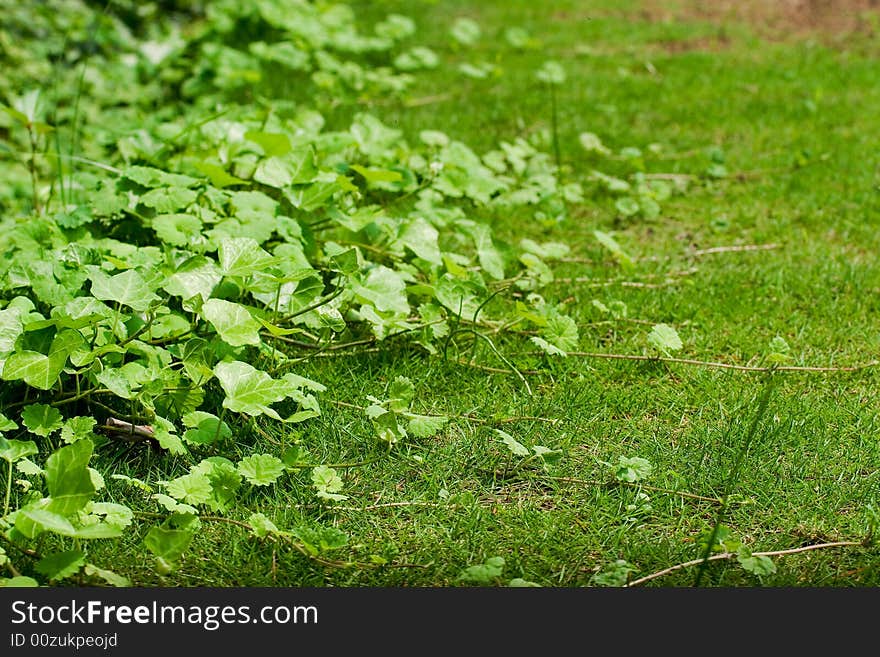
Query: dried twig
x=731, y=555
x=734, y=249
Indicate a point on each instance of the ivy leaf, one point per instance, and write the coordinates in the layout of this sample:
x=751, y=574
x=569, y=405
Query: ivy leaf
x=6, y=424
x=465, y=31
x=633, y=469
x=249, y=390
x=67, y=477
x=128, y=288
x=425, y=426
x=41, y=419
x=107, y=575
x=664, y=338
x=197, y=275
x=10, y=328
x=190, y=488
x=484, y=573
x=13, y=450
x=757, y=565
x=261, y=525
x=78, y=428
x=60, y=565
x=516, y=447
x=205, y=428
x=261, y=469
x=616, y=250
x=233, y=322
x=242, y=256
x=168, y=544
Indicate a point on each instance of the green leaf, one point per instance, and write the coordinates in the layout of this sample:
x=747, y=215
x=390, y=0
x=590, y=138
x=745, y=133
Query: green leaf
x=190, y=488
x=10, y=328
x=519, y=582
x=633, y=469
x=616, y=250
x=169, y=199
x=13, y=450
x=385, y=289
x=484, y=573
x=128, y=288
x=78, y=428
x=465, y=31
x=41, y=419
x=664, y=338
x=249, y=390
x=60, y=565
x=168, y=544
x=107, y=575
x=19, y=581
x=178, y=229
x=326, y=479
x=321, y=539
x=242, y=256
x=756, y=565
x=516, y=447
x=206, y=428
x=195, y=276
x=373, y=175
x=551, y=72
x=261, y=525
x=261, y=469
x=32, y=521
x=425, y=426
x=615, y=574
x=232, y=321
x=6, y=424
x=67, y=477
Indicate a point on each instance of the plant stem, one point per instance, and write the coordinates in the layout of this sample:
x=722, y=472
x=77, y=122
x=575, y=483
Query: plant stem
x=8, y=491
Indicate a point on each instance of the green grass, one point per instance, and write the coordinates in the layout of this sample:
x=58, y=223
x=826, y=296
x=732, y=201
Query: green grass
x=815, y=463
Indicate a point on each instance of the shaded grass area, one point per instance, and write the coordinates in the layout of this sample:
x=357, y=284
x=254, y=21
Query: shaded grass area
x=791, y=123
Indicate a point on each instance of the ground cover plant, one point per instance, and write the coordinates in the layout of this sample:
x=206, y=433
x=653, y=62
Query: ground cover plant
x=437, y=294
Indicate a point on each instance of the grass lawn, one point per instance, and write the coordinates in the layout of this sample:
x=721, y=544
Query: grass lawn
x=771, y=138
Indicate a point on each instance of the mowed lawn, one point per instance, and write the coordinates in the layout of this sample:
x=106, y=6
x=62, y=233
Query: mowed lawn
x=773, y=141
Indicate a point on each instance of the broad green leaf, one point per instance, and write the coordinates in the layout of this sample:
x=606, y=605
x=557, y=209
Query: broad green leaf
x=233, y=322
x=425, y=426
x=261, y=525
x=484, y=573
x=41, y=419
x=757, y=565
x=168, y=544
x=272, y=143
x=78, y=428
x=13, y=450
x=373, y=174
x=561, y=331
x=107, y=575
x=225, y=481
x=169, y=199
x=321, y=539
x=242, y=256
x=385, y=289
x=60, y=565
x=33, y=521
x=196, y=276
x=10, y=328
x=249, y=390
x=67, y=477
x=465, y=31
x=19, y=581
x=547, y=347
x=274, y=172
x=178, y=229
x=190, y=488
x=516, y=447
x=551, y=72
x=400, y=393
x=6, y=424
x=127, y=288
x=616, y=250
x=326, y=479
x=261, y=469
x=632, y=469
x=664, y=338
x=27, y=467
x=519, y=582
x=421, y=238
x=205, y=428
